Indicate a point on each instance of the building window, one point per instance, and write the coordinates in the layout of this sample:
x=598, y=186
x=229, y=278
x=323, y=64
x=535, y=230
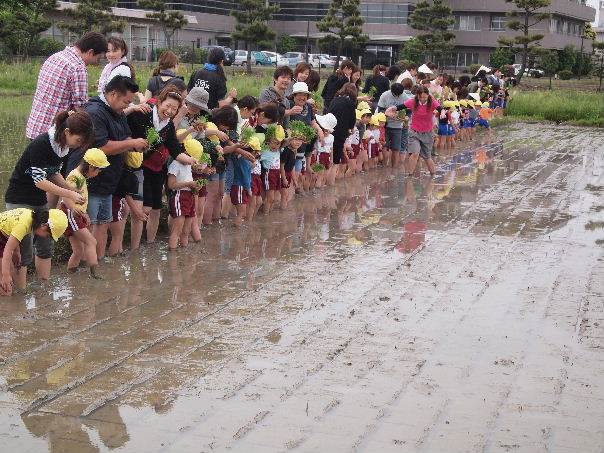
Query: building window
x=467, y=59
x=385, y=13
x=468, y=23
x=498, y=23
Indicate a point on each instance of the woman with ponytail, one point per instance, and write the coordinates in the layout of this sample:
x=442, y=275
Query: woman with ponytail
x=36, y=181
x=163, y=75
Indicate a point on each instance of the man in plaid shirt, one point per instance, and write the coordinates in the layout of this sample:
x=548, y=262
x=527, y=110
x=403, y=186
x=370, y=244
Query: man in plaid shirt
x=63, y=82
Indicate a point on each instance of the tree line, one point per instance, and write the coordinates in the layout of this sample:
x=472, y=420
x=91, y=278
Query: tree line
x=22, y=21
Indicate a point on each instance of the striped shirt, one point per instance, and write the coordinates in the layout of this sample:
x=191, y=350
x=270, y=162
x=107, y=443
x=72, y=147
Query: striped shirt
x=62, y=85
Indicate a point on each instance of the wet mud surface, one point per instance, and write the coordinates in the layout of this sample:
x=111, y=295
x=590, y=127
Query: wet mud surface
x=463, y=314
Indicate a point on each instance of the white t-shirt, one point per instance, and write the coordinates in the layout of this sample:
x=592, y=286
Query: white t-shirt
x=354, y=138
x=182, y=172
x=327, y=147
x=122, y=70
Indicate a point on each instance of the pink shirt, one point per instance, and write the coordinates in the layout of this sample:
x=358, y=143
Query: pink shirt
x=422, y=119
x=62, y=85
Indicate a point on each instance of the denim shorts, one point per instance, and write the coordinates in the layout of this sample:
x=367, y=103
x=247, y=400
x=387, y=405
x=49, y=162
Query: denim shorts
x=393, y=138
x=217, y=177
x=300, y=165
x=229, y=175
x=100, y=209
x=404, y=139
x=30, y=243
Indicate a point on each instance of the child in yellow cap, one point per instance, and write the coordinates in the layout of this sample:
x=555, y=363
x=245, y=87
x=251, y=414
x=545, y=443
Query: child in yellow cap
x=14, y=226
x=373, y=142
x=83, y=243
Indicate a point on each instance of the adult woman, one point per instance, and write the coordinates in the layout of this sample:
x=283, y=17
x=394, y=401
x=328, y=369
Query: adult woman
x=377, y=83
x=117, y=50
x=282, y=78
x=163, y=74
x=213, y=79
x=335, y=82
x=36, y=178
x=15, y=226
x=344, y=109
x=301, y=74
x=156, y=158
x=421, y=137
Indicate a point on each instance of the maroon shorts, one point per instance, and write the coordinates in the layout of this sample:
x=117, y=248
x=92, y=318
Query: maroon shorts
x=239, y=195
x=356, y=149
x=313, y=159
x=257, y=188
x=324, y=159
x=3, y=241
x=288, y=176
x=271, y=179
x=75, y=221
x=118, y=208
x=374, y=150
x=182, y=204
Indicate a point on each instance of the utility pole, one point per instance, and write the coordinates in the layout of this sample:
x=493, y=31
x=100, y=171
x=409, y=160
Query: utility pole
x=307, y=39
x=581, y=57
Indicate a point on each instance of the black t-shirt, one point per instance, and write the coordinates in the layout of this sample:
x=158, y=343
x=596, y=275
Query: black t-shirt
x=332, y=86
x=108, y=126
x=157, y=83
x=38, y=162
x=213, y=82
x=381, y=84
x=288, y=159
x=139, y=123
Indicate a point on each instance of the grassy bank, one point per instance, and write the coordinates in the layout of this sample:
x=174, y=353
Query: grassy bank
x=560, y=106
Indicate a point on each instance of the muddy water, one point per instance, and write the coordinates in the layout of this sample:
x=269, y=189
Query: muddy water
x=147, y=359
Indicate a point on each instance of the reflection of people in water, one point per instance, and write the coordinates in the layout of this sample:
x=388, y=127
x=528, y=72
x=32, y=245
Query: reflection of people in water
x=67, y=434
x=415, y=228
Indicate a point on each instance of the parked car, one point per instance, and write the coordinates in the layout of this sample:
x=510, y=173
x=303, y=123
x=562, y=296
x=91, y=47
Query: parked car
x=322, y=60
x=229, y=56
x=276, y=58
x=261, y=59
x=293, y=58
x=241, y=58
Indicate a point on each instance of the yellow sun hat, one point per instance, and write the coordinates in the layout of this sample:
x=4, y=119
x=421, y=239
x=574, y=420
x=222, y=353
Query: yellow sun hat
x=360, y=113
x=485, y=105
x=463, y=103
x=374, y=121
x=96, y=158
x=363, y=105
x=134, y=159
x=57, y=221
x=193, y=148
x=254, y=143
x=213, y=138
x=381, y=117
x=448, y=104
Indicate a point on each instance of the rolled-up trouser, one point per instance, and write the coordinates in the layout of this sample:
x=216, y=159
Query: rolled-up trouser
x=43, y=247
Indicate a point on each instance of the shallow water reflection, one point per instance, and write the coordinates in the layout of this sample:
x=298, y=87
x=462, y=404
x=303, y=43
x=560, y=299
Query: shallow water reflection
x=80, y=357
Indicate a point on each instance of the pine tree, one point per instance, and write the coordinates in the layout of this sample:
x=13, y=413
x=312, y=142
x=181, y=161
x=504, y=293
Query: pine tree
x=524, y=18
x=169, y=21
x=433, y=18
x=92, y=15
x=343, y=21
x=252, y=18
x=21, y=23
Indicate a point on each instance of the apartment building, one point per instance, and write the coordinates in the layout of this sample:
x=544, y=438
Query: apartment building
x=478, y=25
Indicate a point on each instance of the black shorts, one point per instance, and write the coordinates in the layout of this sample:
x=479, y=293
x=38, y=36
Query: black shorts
x=153, y=187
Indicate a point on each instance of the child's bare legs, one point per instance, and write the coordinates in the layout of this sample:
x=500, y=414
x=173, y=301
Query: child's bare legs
x=136, y=228
x=117, y=233
x=88, y=249
x=213, y=188
x=241, y=211
x=226, y=206
x=153, y=224
x=100, y=234
x=270, y=198
x=186, y=231
x=77, y=251
x=175, y=232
